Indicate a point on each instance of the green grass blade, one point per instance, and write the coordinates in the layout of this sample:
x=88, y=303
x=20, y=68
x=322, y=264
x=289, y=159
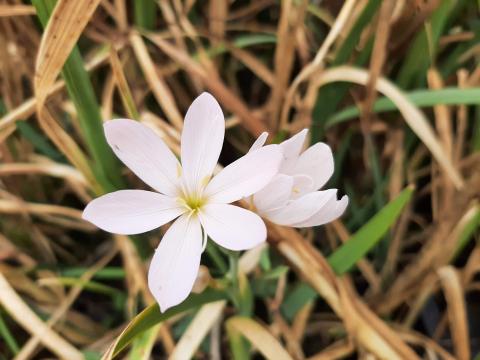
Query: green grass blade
x=145, y=14
x=468, y=232
x=296, y=299
x=8, y=337
x=476, y=130
x=345, y=257
x=238, y=345
x=107, y=273
x=39, y=141
x=143, y=344
x=420, y=98
x=152, y=316
x=423, y=51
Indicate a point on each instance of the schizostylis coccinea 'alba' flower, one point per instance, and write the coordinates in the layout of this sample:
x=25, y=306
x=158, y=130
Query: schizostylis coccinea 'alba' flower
x=293, y=198
x=185, y=192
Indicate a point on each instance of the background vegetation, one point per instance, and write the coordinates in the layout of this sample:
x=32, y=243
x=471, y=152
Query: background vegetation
x=391, y=86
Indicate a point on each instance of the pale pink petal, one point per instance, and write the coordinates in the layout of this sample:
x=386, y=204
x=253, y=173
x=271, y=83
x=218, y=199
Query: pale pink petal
x=232, y=227
x=259, y=142
x=316, y=162
x=291, y=150
x=176, y=261
x=245, y=176
x=302, y=184
x=202, y=140
x=275, y=194
x=300, y=209
x=332, y=210
x=131, y=211
x=144, y=153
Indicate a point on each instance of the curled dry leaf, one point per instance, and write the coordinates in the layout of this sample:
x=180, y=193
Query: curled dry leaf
x=67, y=22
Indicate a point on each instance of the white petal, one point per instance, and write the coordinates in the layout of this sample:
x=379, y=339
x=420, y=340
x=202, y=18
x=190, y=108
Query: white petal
x=202, y=139
x=232, y=227
x=316, y=162
x=291, y=150
x=302, y=184
x=144, y=153
x=275, y=194
x=259, y=142
x=131, y=211
x=245, y=176
x=300, y=209
x=176, y=261
x=332, y=210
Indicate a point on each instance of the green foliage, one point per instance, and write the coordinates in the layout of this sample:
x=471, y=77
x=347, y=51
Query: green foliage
x=145, y=14
x=345, y=257
x=152, y=316
x=420, y=98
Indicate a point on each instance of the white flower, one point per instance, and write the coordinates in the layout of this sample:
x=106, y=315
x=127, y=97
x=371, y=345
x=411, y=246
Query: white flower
x=186, y=192
x=291, y=198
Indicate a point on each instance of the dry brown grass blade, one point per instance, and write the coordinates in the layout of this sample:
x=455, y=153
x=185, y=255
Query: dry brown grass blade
x=27, y=108
x=191, y=339
x=66, y=144
x=416, y=338
x=443, y=119
x=218, y=13
x=20, y=207
x=21, y=112
x=338, y=350
x=259, y=337
x=462, y=119
x=67, y=22
x=456, y=311
x=436, y=253
x=291, y=17
x=23, y=284
x=376, y=62
x=25, y=317
x=225, y=95
x=159, y=88
x=254, y=64
x=365, y=327
x=16, y=10
x=293, y=346
x=59, y=313
x=317, y=62
x=44, y=166
x=413, y=117
x=208, y=315
x=122, y=85
x=51, y=169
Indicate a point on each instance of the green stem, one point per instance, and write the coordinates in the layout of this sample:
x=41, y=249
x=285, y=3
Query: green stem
x=216, y=257
x=233, y=261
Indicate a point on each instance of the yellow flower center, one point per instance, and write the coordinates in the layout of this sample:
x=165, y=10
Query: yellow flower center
x=192, y=203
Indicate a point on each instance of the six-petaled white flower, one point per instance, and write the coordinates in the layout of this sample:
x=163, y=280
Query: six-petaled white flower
x=292, y=197
x=186, y=192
